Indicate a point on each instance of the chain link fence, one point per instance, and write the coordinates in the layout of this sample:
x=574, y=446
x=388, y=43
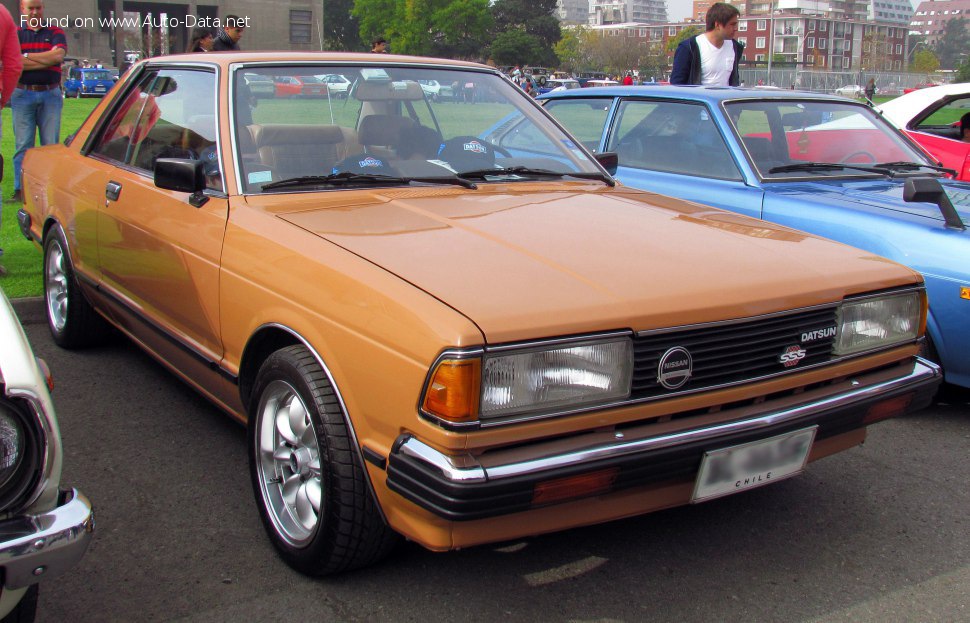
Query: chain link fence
x=887, y=83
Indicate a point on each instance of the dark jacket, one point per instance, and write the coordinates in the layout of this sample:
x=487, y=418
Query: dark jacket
x=223, y=42
x=687, y=63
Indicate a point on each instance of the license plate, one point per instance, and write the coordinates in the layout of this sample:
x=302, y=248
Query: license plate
x=753, y=464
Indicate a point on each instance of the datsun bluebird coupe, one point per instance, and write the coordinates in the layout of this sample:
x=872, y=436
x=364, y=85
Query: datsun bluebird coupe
x=434, y=336
x=44, y=529
x=812, y=162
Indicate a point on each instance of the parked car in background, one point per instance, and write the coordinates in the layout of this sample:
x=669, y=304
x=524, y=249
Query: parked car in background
x=851, y=90
x=816, y=163
x=299, y=86
x=922, y=85
x=44, y=530
x=931, y=117
x=260, y=86
x=339, y=85
x=431, y=88
x=88, y=82
x=601, y=83
x=558, y=84
x=434, y=335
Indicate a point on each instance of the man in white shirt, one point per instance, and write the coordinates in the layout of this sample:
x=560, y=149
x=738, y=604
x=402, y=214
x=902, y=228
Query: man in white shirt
x=711, y=58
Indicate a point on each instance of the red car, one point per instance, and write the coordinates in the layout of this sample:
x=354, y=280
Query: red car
x=931, y=117
x=299, y=86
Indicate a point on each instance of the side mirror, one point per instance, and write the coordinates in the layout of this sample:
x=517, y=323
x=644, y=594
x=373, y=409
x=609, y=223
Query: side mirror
x=609, y=160
x=182, y=175
x=929, y=190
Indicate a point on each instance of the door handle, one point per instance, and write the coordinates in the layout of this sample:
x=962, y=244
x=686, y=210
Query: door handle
x=112, y=191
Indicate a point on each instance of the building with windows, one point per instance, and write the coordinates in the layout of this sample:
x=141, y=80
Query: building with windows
x=931, y=17
x=573, y=11
x=891, y=12
x=624, y=11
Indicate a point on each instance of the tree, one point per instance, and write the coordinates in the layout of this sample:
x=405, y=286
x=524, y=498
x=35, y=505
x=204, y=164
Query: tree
x=687, y=33
x=462, y=29
x=530, y=17
x=953, y=44
x=963, y=71
x=575, y=49
x=925, y=62
x=512, y=47
x=340, y=29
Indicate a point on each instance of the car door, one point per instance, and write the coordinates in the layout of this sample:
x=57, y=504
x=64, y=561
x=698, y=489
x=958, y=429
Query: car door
x=664, y=146
x=159, y=254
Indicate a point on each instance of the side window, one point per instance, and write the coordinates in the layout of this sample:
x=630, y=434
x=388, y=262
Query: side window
x=117, y=134
x=584, y=118
x=672, y=137
x=946, y=119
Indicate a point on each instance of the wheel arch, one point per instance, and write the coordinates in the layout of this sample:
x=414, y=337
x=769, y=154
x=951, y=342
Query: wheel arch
x=271, y=337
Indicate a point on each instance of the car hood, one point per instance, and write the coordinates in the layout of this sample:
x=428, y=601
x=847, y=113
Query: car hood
x=526, y=260
x=881, y=195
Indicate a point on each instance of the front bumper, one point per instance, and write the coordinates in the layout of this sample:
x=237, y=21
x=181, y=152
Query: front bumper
x=37, y=547
x=462, y=488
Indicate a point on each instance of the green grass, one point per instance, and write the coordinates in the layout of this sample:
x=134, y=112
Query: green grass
x=21, y=257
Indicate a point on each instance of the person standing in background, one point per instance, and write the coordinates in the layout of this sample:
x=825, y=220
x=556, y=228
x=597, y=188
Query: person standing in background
x=201, y=41
x=708, y=59
x=378, y=46
x=12, y=66
x=37, y=100
x=230, y=34
x=870, y=90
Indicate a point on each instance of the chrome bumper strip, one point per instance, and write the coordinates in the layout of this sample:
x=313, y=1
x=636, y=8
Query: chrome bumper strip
x=34, y=548
x=453, y=470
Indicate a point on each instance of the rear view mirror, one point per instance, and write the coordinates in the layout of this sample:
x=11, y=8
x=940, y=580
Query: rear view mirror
x=609, y=160
x=929, y=189
x=182, y=175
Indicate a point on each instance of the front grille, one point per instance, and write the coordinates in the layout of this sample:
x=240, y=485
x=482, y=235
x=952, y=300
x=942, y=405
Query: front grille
x=729, y=353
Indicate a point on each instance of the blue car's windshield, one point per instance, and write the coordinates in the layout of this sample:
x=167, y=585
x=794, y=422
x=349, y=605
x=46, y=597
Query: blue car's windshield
x=96, y=75
x=796, y=138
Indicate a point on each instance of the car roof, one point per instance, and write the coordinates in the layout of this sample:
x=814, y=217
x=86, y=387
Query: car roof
x=226, y=59
x=916, y=101
x=711, y=95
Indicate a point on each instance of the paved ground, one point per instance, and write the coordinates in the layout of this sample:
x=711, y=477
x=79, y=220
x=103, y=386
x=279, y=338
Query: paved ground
x=878, y=533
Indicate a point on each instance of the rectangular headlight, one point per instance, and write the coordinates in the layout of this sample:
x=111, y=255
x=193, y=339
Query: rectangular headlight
x=879, y=322
x=577, y=374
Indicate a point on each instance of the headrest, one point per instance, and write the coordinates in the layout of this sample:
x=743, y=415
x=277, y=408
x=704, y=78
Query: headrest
x=369, y=91
x=300, y=134
x=382, y=129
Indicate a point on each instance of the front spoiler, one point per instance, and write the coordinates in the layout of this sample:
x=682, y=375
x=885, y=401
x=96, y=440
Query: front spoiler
x=37, y=547
x=465, y=488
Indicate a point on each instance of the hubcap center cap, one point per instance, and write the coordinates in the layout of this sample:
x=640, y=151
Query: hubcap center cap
x=300, y=461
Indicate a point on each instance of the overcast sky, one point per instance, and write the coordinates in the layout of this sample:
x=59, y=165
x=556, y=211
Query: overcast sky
x=677, y=10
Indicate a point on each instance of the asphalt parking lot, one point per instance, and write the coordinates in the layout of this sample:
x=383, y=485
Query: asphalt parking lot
x=878, y=533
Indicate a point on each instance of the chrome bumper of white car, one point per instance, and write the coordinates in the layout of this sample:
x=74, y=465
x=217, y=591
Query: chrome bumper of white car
x=34, y=548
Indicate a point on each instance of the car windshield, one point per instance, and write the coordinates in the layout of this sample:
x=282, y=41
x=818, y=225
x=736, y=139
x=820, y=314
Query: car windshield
x=393, y=124
x=101, y=74
x=813, y=138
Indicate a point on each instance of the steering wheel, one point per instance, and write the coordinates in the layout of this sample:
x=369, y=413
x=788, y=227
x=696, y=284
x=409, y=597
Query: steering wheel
x=861, y=153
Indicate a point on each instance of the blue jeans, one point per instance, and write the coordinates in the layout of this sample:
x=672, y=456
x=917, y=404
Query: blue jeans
x=33, y=111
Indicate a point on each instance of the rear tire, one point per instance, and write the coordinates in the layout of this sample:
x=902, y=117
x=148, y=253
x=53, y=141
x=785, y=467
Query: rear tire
x=312, y=492
x=72, y=321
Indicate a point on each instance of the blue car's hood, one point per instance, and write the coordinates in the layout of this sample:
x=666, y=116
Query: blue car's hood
x=879, y=194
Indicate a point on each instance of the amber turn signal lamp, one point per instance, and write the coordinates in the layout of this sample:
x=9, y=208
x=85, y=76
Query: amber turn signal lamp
x=453, y=391
x=572, y=487
x=887, y=409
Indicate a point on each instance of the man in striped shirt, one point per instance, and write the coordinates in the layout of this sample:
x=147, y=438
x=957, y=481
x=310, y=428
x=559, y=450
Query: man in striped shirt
x=37, y=100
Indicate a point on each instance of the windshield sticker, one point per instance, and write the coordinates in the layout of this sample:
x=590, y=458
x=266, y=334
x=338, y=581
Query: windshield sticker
x=258, y=177
x=568, y=143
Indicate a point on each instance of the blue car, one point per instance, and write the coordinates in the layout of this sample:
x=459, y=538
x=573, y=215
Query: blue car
x=88, y=82
x=817, y=163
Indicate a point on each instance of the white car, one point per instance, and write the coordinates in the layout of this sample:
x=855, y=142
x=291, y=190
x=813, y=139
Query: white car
x=431, y=88
x=338, y=85
x=45, y=530
x=851, y=90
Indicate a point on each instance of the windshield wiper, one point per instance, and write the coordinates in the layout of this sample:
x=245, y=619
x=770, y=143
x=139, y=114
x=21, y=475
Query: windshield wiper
x=521, y=170
x=830, y=166
x=348, y=177
x=911, y=166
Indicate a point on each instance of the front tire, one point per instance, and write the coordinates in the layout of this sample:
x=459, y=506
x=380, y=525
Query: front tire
x=311, y=490
x=72, y=321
